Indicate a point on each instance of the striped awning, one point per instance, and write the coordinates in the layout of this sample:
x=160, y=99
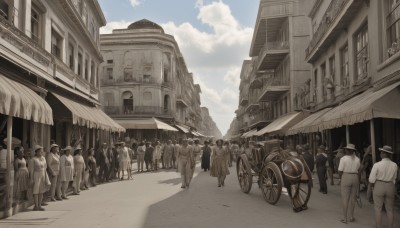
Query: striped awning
x=249, y=132
x=19, y=101
x=90, y=117
x=145, y=123
x=183, y=128
x=309, y=124
x=280, y=125
x=373, y=103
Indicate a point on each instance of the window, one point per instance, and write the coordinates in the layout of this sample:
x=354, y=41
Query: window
x=146, y=78
x=362, y=53
x=109, y=73
x=4, y=12
x=92, y=73
x=108, y=99
x=127, y=100
x=166, y=103
x=86, y=74
x=315, y=85
x=128, y=74
x=344, y=66
x=323, y=79
x=332, y=68
x=56, y=44
x=110, y=61
x=35, y=24
x=71, y=56
x=393, y=27
x=80, y=61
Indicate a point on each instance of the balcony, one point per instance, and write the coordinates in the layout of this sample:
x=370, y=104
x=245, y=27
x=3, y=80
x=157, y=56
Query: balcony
x=335, y=20
x=147, y=111
x=260, y=119
x=271, y=55
x=125, y=80
x=256, y=83
x=244, y=101
x=180, y=100
x=275, y=88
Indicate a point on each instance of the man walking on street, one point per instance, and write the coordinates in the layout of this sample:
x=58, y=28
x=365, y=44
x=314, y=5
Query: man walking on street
x=320, y=162
x=104, y=162
x=168, y=151
x=382, y=179
x=185, y=162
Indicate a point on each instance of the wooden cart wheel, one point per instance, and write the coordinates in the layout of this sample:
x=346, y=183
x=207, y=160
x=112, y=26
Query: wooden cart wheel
x=244, y=174
x=271, y=183
x=302, y=191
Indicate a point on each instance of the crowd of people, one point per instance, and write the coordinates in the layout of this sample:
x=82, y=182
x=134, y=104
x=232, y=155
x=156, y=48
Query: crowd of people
x=53, y=172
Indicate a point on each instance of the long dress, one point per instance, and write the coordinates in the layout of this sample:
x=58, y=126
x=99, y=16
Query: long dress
x=123, y=159
x=37, y=172
x=219, y=166
x=21, y=176
x=66, y=168
x=205, y=159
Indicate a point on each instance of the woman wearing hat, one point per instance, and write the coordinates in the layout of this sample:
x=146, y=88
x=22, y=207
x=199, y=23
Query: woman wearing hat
x=37, y=172
x=92, y=165
x=53, y=161
x=219, y=165
x=66, y=170
x=349, y=167
x=79, y=169
x=185, y=162
x=21, y=175
x=383, y=179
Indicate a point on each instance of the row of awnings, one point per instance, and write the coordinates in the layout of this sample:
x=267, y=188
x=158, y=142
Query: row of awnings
x=186, y=129
x=20, y=101
x=373, y=103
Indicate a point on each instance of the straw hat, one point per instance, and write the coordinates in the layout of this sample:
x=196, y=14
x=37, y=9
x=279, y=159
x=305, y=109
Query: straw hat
x=37, y=147
x=67, y=148
x=14, y=141
x=350, y=147
x=387, y=149
x=53, y=145
x=78, y=148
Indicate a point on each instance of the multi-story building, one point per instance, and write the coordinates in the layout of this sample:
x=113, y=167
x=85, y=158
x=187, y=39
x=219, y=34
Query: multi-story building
x=277, y=69
x=144, y=76
x=354, y=85
x=49, y=54
x=208, y=127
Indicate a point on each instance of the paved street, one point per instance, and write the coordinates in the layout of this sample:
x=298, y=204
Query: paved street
x=156, y=200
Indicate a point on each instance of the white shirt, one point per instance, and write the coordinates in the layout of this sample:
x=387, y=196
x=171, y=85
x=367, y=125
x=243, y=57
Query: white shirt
x=349, y=164
x=385, y=170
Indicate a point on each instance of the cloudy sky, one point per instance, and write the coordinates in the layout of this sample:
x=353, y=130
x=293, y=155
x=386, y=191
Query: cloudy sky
x=214, y=37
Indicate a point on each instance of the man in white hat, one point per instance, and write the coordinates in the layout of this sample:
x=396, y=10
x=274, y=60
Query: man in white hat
x=383, y=179
x=349, y=171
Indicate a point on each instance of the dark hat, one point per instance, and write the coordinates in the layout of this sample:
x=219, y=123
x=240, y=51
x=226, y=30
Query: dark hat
x=387, y=149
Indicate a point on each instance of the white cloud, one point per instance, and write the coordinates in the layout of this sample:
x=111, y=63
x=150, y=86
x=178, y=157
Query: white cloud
x=214, y=57
x=233, y=76
x=134, y=3
x=114, y=25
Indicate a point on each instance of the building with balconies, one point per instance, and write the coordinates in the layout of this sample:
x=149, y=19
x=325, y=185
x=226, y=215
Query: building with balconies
x=354, y=85
x=144, y=76
x=49, y=55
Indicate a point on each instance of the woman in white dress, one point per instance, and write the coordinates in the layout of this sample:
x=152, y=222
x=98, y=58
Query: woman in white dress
x=37, y=173
x=66, y=170
x=219, y=164
x=79, y=169
x=124, y=158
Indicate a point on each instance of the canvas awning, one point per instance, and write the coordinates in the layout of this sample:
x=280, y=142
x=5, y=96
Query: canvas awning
x=309, y=124
x=373, y=103
x=184, y=129
x=90, y=117
x=145, y=123
x=280, y=125
x=19, y=101
x=252, y=133
x=248, y=132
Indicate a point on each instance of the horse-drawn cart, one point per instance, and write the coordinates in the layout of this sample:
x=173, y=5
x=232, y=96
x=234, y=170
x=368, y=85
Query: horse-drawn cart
x=275, y=169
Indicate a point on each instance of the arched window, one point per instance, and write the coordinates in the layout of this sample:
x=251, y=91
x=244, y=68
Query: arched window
x=166, y=104
x=127, y=102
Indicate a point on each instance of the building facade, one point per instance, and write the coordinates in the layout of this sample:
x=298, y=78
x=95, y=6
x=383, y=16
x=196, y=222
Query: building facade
x=49, y=54
x=144, y=76
x=277, y=70
x=354, y=85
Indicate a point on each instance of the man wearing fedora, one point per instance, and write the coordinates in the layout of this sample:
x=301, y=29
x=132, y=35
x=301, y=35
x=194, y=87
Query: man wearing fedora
x=383, y=179
x=349, y=168
x=320, y=162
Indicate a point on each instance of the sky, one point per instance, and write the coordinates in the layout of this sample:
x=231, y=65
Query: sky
x=214, y=37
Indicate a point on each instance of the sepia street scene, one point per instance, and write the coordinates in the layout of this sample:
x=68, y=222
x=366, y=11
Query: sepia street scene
x=200, y=113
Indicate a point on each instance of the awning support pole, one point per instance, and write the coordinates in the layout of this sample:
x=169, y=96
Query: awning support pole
x=10, y=170
x=372, y=128
x=347, y=134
